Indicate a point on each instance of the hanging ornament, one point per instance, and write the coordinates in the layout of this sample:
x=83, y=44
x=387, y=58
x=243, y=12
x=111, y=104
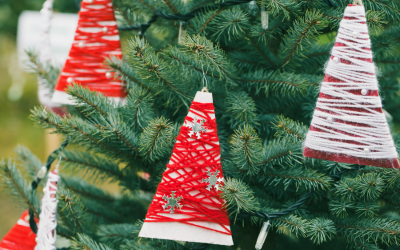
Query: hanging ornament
x=44, y=93
x=96, y=38
x=187, y=205
x=46, y=236
x=348, y=124
x=20, y=236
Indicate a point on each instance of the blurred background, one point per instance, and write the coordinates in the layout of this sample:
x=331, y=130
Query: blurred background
x=18, y=95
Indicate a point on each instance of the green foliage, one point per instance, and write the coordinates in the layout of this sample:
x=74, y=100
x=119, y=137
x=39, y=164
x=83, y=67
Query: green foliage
x=321, y=230
x=238, y=196
x=246, y=150
x=83, y=241
x=17, y=186
x=155, y=141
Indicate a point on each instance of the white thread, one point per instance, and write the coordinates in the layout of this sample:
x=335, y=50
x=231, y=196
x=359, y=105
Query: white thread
x=44, y=93
x=372, y=133
x=46, y=236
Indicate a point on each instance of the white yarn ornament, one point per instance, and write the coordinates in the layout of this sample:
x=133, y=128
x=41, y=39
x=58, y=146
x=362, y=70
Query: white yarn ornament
x=370, y=137
x=46, y=236
x=45, y=51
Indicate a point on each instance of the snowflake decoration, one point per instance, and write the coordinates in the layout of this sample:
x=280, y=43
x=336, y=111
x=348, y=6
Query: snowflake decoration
x=213, y=180
x=172, y=202
x=196, y=127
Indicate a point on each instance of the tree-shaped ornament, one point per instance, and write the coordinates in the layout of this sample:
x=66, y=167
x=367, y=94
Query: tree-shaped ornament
x=20, y=237
x=46, y=235
x=96, y=38
x=348, y=124
x=187, y=205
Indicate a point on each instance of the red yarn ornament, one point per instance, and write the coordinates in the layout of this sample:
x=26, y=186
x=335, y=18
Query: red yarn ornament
x=20, y=237
x=191, y=159
x=96, y=38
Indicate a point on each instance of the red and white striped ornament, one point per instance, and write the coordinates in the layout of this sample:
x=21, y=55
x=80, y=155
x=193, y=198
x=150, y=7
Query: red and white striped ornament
x=46, y=235
x=20, y=237
x=96, y=38
x=348, y=124
x=187, y=205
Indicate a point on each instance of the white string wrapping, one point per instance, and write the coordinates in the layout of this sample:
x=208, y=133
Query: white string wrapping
x=45, y=52
x=351, y=124
x=46, y=236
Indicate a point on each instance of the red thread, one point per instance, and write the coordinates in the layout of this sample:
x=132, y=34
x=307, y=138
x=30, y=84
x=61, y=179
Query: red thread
x=20, y=237
x=190, y=160
x=98, y=33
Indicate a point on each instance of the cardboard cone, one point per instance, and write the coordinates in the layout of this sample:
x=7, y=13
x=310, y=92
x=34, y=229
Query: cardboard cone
x=348, y=124
x=96, y=38
x=187, y=205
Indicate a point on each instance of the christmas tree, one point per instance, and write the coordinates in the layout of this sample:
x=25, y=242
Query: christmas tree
x=264, y=63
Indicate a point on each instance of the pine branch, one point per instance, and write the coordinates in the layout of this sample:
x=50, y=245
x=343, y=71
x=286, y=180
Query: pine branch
x=155, y=141
x=72, y=210
x=82, y=241
x=28, y=160
x=246, y=149
x=88, y=163
x=13, y=181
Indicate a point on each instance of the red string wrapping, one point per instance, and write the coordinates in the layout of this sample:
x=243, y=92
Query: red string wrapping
x=191, y=159
x=20, y=237
x=96, y=38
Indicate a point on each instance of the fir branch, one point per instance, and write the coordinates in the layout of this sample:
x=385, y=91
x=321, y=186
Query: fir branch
x=29, y=161
x=246, y=149
x=254, y=43
x=321, y=230
x=84, y=161
x=73, y=209
x=288, y=128
x=92, y=101
x=47, y=119
x=13, y=181
x=171, y=6
x=304, y=30
x=237, y=196
x=83, y=241
x=209, y=20
x=155, y=141
x=125, y=72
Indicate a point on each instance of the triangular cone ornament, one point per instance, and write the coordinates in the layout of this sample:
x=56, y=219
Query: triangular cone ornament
x=20, y=237
x=348, y=124
x=96, y=38
x=187, y=205
x=46, y=235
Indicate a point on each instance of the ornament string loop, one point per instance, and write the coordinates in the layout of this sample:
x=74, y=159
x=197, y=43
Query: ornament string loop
x=37, y=180
x=358, y=2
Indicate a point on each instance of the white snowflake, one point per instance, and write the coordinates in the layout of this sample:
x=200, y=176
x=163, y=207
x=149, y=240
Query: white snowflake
x=196, y=127
x=213, y=180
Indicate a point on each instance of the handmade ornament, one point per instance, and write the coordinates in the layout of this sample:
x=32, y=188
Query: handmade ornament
x=96, y=38
x=348, y=124
x=44, y=93
x=46, y=236
x=187, y=205
x=20, y=237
